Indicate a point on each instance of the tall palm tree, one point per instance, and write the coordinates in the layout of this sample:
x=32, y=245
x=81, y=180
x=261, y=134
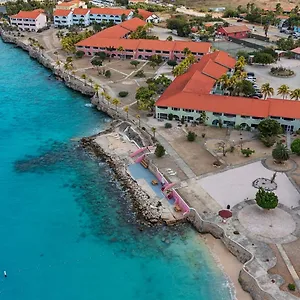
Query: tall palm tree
x=84, y=77
x=108, y=99
x=295, y=94
x=126, y=109
x=121, y=49
x=116, y=102
x=139, y=118
x=186, y=51
x=267, y=90
x=224, y=81
x=283, y=90
x=153, y=129
x=103, y=95
x=96, y=89
x=90, y=81
x=240, y=64
x=58, y=63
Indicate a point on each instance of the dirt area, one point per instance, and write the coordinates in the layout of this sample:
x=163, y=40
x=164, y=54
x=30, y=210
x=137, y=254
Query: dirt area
x=295, y=175
x=292, y=250
x=281, y=269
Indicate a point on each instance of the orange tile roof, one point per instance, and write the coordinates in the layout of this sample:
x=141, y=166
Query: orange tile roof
x=33, y=14
x=193, y=46
x=108, y=42
x=61, y=12
x=133, y=24
x=114, y=32
x=214, y=70
x=109, y=11
x=193, y=86
x=80, y=11
x=144, y=13
x=156, y=45
x=233, y=29
x=224, y=59
x=284, y=108
x=296, y=50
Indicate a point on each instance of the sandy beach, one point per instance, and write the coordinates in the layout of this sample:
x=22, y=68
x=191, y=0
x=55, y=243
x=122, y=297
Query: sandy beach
x=228, y=263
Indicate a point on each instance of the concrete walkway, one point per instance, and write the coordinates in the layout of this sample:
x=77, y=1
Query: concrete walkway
x=288, y=140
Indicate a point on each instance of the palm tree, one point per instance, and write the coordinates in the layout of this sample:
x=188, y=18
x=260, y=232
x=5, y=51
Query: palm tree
x=116, y=102
x=121, y=49
x=152, y=64
x=108, y=99
x=153, y=129
x=58, y=63
x=186, y=51
x=96, y=89
x=90, y=80
x=103, y=95
x=240, y=64
x=283, y=90
x=84, y=77
x=295, y=94
x=224, y=81
x=267, y=90
x=126, y=109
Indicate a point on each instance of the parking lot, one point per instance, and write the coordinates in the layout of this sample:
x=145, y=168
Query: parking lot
x=231, y=47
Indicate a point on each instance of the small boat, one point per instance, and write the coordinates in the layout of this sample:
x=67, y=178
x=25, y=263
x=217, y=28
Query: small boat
x=5, y=275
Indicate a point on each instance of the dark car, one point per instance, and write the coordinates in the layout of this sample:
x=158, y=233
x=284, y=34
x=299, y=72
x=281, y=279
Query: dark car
x=250, y=74
x=257, y=95
x=239, y=20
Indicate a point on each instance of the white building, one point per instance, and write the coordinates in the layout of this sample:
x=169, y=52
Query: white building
x=81, y=16
x=63, y=18
x=116, y=15
x=29, y=20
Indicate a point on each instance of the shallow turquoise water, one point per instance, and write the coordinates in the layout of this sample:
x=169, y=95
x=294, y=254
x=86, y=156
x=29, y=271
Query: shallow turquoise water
x=67, y=231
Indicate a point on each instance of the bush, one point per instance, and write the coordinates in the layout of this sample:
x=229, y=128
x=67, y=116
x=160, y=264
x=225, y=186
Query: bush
x=280, y=153
x=191, y=136
x=79, y=54
x=295, y=146
x=266, y=200
x=247, y=152
x=268, y=141
x=140, y=74
x=168, y=125
x=170, y=117
x=291, y=286
x=107, y=74
x=160, y=151
x=123, y=94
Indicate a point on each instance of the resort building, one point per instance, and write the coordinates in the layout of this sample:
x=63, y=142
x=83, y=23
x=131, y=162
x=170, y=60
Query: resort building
x=148, y=16
x=194, y=92
x=70, y=5
x=296, y=52
x=62, y=17
x=81, y=16
x=29, y=20
x=238, y=32
x=114, y=38
x=105, y=14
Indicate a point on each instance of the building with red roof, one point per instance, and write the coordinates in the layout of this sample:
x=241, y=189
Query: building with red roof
x=62, y=18
x=238, y=32
x=81, y=16
x=192, y=93
x=148, y=16
x=296, y=52
x=29, y=20
x=106, y=14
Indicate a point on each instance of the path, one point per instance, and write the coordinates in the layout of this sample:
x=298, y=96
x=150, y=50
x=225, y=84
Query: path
x=288, y=139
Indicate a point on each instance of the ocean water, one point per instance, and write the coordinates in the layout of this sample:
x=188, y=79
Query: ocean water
x=67, y=231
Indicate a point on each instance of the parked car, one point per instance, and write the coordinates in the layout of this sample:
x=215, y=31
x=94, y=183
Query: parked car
x=239, y=20
x=250, y=74
x=257, y=95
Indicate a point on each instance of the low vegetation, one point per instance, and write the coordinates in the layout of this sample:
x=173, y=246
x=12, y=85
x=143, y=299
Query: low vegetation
x=266, y=200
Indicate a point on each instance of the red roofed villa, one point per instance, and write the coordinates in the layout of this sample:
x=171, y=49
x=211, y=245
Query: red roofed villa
x=29, y=20
x=194, y=92
x=238, y=32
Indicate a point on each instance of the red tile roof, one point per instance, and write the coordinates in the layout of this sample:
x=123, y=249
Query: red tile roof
x=224, y=59
x=114, y=32
x=33, y=14
x=214, y=70
x=144, y=13
x=296, y=50
x=193, y=86
x=156, y=45
x=132, y=24
x=193, y=46
x=61, y=12
x=109, y=11
x=234, y=29
x=80, y=11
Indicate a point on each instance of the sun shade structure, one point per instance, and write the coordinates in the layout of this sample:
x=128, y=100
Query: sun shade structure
x=225, y=213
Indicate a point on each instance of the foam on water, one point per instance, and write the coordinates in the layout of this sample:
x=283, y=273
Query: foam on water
x=67, y=230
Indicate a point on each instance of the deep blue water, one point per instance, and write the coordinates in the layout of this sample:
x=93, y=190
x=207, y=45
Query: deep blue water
x=67, y=231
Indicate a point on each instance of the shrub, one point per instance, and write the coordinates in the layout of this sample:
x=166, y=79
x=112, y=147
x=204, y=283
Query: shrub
x=123, y=94
x=140, y=74
x=107, y=74
x=170, y=117
x=298, y=131
x=168, y=125
x=268, y=141
x=280, y=153
x=191, y=136
x=291, y=286
x=160, y=151
x=247, y=152
x=79, y=54
x=266, y=200
x=295, y=146
x=182, y=120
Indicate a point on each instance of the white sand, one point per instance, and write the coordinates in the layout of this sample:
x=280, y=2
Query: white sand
x=228, y=262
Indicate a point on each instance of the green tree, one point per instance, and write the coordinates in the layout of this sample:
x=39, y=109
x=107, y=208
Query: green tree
x=203, y=117
x=247, y=152
x=263, y=58
x=269, y=127
x=267, y=90
x=280, y=153
x=160, y=151
x=266, y=200
x=126, y=109
x=268, y=140
x=172, y=63
x=135, y=63
x=84, y=77
x=107, y=74
x=144, y=97
x=169, y=38
x=243, y=87
x=283, y=90
x=96, y=89
x=79, y=54
x=295, y=94
x=295, y=146
x=96, y=62
x=152, y=64
x=116, y=102
x=156, y=59
x=191, y=136
x=102, y=55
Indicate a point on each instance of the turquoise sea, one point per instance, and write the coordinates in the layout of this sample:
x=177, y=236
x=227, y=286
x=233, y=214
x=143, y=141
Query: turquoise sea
x=67, y=231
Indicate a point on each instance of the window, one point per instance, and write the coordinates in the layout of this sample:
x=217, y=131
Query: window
x=199, y=111
x=288, y=119
x=175, y=108
x=166, y=52
x=141, y=50
x=217, y=114
x=188, y=110
x=157, y=51
x=275, y=118
x=162, y=107
x=149, y=51
x=190, y=118
x=245, y=117
x=229, y=115
x=257, y=118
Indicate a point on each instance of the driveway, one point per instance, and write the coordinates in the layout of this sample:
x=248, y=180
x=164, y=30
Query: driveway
x=263, y=76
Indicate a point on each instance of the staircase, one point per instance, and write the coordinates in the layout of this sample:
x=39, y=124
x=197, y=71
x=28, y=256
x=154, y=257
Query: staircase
x=144, y=163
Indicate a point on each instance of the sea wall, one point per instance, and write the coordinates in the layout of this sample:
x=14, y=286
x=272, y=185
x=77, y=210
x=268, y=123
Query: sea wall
x=253, y=277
